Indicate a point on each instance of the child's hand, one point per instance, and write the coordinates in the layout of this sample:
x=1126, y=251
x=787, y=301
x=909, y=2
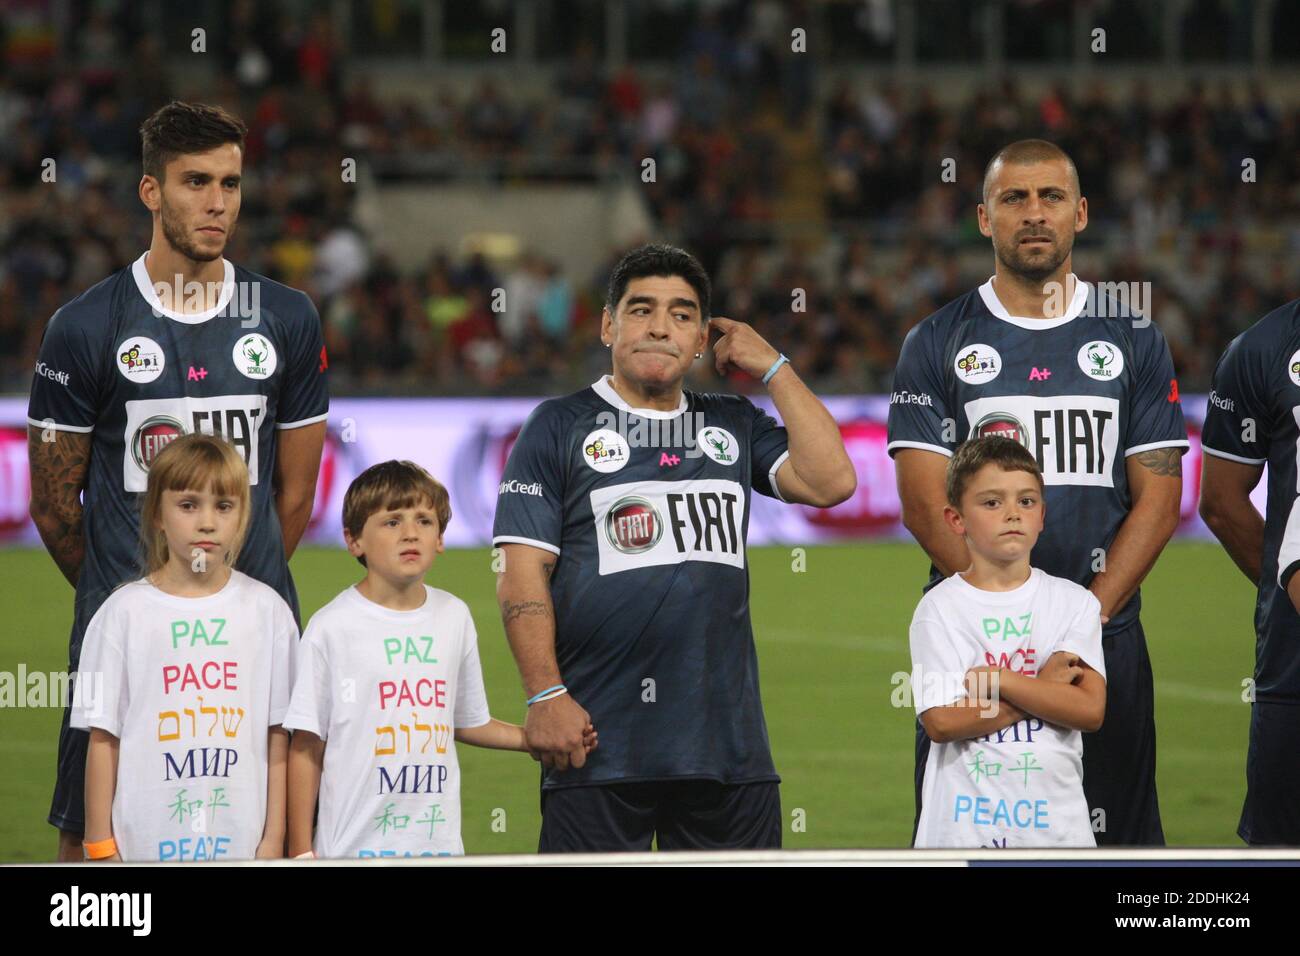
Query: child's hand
x=589, y=737
x=1062, y=667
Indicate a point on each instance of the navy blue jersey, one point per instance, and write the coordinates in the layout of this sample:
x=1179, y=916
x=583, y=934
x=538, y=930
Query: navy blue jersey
x=117, y=364
x=1082, y=392
x=1252, y=418
x=648, y=513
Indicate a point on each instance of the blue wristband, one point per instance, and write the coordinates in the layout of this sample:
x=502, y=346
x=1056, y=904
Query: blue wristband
x=775, y=365
x=540, y=694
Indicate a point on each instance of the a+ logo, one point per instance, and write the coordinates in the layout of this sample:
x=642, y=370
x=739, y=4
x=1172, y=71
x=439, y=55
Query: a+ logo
x=198, y=376
x=1039, y=375
x=667, y=459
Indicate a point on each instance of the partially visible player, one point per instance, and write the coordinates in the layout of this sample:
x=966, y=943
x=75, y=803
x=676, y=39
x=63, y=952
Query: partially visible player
x=184, y=680
x=1007, y=670
x=180, y=341
x=622, y=517
x=383, y=758
x=1086, y=384
x=1251, y=421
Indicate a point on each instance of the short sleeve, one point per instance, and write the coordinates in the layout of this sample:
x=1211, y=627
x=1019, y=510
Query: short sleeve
x=304, y=392
x=530, y=497
x=769, y=447
x=1155, y=418
x=938, y=666
x=1237, y=415
x=284, y=637
x=101, y=694
x=310, y=699
x=918, y=404
x=1083, y=634
x=471, y=698
x=1288, y=552
x=66, y=386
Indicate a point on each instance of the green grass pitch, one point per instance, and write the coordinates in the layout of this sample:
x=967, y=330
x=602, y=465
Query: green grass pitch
x=829, y=640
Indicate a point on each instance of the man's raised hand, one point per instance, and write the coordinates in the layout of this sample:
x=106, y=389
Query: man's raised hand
x=741, y=346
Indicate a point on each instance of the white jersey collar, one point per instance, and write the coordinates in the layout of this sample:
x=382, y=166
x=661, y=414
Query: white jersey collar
x=605, y=390
x=994, y=305
x=145, y=285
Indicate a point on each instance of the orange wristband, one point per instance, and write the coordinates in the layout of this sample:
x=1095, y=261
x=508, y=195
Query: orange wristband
x=101, y=849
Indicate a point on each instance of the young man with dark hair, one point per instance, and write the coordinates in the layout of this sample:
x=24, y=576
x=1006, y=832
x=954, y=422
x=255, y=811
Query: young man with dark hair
x=625, y=592
x=180, y=341
x=1086, y=384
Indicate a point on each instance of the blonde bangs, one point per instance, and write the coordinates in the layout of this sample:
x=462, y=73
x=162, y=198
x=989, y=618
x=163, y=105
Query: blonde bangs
x=203, y=463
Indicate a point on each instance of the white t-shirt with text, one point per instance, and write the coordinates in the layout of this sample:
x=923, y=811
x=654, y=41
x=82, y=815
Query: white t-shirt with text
x=1022, y=786
x=189, y=686
x=386, y=691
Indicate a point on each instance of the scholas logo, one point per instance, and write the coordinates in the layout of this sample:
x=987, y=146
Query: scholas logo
x=254, y=356
x=1100, y=355
x=153, y=435
x=719, y=444
x=633, y=525
x=1101, y=360
x=1003, y=425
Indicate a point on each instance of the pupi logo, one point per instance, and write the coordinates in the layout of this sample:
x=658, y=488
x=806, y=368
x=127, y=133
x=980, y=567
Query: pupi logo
x=605, y=450
x=977, y=364
x=140, y=359
x=1293, y=368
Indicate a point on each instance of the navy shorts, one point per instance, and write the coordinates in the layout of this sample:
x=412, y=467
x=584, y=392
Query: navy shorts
x=1270, y=815
x=68, y=808
x=1119, y=761
x=682, y=814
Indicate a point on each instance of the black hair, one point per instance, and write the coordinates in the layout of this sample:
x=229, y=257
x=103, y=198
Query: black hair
x=658, y=259
x=178, y=129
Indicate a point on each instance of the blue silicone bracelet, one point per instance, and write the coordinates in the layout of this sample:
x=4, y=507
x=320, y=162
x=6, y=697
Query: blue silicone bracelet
x=775, y=365
x=542, y=693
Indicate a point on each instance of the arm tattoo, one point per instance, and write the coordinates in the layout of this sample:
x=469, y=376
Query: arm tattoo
x=1162, y=461
x=548, y=567
x=58, y=473
x=511, y=610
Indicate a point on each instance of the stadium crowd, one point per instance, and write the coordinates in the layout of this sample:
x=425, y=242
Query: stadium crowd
x=1171, y=201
